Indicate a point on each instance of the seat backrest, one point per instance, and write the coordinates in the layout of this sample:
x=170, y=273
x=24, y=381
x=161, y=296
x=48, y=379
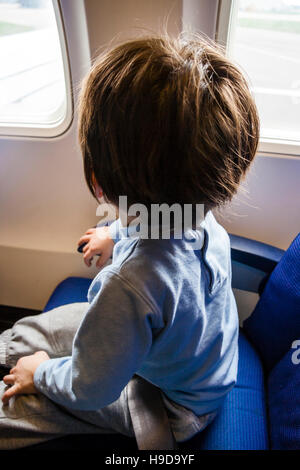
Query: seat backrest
x=275, y=322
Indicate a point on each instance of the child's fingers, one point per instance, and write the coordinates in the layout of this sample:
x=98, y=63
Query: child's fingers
x=85, y=248
x=102, y=260
x=9, y=379
x=84, y=239
x=87, y=258
x=90, y=231
x=93, y=251
x=9, y=393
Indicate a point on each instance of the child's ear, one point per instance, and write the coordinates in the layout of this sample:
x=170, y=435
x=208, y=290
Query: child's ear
x=98, y=191
x=97, y=188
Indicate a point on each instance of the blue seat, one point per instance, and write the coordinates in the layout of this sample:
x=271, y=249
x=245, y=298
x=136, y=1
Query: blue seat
x=72, y=289
x=242, y=423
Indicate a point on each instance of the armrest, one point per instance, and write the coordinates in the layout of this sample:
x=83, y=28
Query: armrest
x=252, y=263
x=256, y=254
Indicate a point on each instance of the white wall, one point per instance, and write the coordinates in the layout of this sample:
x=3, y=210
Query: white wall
x=112, y=21
x=267, y=208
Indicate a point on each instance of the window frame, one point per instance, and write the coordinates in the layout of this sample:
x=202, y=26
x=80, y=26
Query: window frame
x=48, y=130
x=227, y=14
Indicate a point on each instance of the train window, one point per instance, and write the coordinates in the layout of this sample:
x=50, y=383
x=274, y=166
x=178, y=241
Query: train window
x=35, y=98
x=263, y=37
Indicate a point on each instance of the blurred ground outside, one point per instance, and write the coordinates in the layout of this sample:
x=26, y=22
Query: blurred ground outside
x=32, y=86
x=14, y=13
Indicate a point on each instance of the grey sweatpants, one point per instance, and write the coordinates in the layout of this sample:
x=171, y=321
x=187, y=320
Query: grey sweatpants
x=32, y=419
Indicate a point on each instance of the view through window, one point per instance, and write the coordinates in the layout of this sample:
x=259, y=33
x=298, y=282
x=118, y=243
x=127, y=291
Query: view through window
x=32, y=82
x=265, y=42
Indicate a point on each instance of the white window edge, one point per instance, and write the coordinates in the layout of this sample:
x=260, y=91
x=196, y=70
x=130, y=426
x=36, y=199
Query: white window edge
x=277, y=146
x=227, y=12
x=46, y=130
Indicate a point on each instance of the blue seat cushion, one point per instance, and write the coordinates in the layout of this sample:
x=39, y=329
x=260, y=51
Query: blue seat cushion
x=284, y=402
x=242, y=421
x=275, y=322
x=70, y=290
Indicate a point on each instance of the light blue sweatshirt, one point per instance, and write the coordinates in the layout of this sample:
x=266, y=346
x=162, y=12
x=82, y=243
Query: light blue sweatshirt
x=162, y=311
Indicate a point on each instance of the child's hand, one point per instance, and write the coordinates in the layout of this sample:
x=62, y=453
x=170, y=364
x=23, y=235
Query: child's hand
x=98, y=242
x=21, y=376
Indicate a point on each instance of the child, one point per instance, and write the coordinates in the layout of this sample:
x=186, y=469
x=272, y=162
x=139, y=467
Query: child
x=161, y=121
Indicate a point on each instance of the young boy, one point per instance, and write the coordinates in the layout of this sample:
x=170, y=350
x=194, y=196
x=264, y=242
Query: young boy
x=161, y=121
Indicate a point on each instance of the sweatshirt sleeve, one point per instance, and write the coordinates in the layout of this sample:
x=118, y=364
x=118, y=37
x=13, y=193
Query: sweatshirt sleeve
x=115, y=230
x=109, y=347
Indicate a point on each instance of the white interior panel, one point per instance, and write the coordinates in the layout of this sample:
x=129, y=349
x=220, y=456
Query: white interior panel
x=267, y=208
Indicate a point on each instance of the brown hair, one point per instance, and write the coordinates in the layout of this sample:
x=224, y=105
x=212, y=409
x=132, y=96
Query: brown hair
x=167, y=121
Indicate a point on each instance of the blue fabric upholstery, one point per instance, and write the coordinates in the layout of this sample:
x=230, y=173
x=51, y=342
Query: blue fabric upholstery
x=72, y=289
x=284, y=402
x=275, y=322
x=242, y=421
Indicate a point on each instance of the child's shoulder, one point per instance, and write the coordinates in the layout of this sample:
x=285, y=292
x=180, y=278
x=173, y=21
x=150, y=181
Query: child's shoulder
x=160, y=268
x=169, y=260
x=149, y=261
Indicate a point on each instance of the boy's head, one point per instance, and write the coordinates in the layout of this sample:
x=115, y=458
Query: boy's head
x=167, y=121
